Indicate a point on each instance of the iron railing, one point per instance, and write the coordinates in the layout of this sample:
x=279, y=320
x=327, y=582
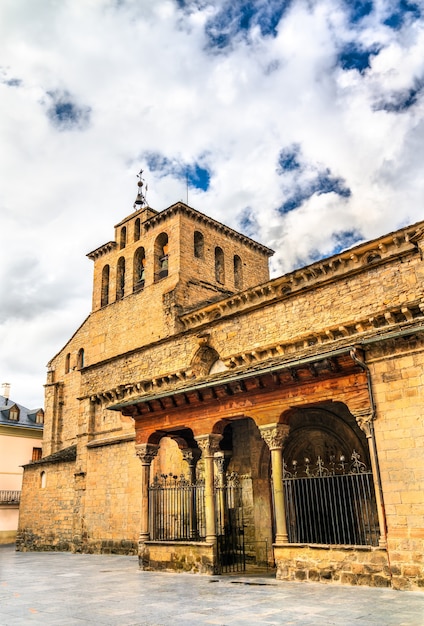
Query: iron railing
x=10, y=497
x=331, y=504
x=176, y=509
x=230, y=524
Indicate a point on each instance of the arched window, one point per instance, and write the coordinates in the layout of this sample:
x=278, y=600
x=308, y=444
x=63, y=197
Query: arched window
x=105, y=286
x=238, y=272
x=80, y=358
x=161, y=256
x=43, y=480
x=123, y=241
x=67, y=363
x=137, y=229
x=139, y=269
x=120, y=279
x=219, y=266
x=199, y=245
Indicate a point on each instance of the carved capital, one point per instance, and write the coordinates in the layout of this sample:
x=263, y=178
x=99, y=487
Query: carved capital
x=209, y=444
x=191, y=456
x=274, y=435
x=146, y=452
x=363, y=418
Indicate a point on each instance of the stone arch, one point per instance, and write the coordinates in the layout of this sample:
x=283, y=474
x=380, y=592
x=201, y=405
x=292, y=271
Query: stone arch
x=199, y=245
x=238, y=272
x=120, y=278
x=219, y=265
x=104, y=298
x=123, y=238
x=325, y=430
x=203, y=360
x=139, y=269
x=161, y=256
x=137, y=229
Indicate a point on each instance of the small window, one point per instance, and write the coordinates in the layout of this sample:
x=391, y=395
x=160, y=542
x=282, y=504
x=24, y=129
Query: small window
x=137, y=229
x=123, y=241
x=120, y=279
x=105, y=286
x=36, y=454
x=67, y=363
x=80, y=360
x=219, y=266
x=39, y=417
x=14, y=413
x=238, y=273
x=199, y=245
x=43, y=479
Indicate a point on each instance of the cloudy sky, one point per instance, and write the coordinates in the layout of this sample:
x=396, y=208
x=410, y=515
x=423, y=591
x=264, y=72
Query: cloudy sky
x=298, y=122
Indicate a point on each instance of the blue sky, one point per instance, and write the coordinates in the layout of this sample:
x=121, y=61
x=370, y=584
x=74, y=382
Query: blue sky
x=298, y=122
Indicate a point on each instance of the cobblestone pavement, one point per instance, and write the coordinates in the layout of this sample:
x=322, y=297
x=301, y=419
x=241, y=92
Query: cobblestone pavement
x=66, y=589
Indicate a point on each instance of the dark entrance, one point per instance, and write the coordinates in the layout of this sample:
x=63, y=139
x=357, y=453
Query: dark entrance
x=230, y=525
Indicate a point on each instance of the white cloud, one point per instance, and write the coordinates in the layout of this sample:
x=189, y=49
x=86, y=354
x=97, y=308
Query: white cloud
x=143, y=78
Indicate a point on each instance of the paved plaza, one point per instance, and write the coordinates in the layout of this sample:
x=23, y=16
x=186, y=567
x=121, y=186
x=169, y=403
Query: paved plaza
x=66, y=589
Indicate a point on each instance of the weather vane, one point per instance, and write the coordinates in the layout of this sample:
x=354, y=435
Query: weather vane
x=140, y=201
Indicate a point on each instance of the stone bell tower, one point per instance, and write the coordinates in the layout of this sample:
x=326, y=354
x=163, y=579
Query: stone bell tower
x=162, y=264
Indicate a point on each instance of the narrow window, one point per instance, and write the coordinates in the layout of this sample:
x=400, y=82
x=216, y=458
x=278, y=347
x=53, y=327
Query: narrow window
x=39, y=418
x=80, y=358
x=123, y=241
x=137, y=229
x=199, y=245
x=139, y=269
x=67, y=363
x=161, y=256
x=120, y=279
x=36, y=454
x=238, y=273
x=219, y=266
x=43, y=480
x=105, y=286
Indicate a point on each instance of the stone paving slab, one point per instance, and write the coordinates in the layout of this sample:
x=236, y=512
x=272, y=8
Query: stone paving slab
x=55, y=588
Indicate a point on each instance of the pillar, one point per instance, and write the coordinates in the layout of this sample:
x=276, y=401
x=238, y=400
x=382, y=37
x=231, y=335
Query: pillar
x=146, y=452
x=364, y=419
x=274, y=436
x=209, y=445
x=192, y=456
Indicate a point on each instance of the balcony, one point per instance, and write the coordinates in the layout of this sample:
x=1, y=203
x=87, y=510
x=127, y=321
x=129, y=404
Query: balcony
x=10, y=497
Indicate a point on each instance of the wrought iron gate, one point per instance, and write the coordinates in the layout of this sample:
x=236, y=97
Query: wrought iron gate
x=333, y=504
x=177, y=513
x=230, y=526
x=177, y=509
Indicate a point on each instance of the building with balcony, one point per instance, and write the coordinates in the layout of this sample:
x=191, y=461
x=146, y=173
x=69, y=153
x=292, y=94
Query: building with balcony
x=21, y=433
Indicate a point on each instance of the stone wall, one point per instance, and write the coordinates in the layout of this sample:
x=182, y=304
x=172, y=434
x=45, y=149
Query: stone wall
x=338, y=564
x=398, y=383
x=46, y=521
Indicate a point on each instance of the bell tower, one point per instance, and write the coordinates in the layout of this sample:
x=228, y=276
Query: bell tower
x=163, y=264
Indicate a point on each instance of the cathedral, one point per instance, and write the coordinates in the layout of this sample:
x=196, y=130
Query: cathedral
x=210, y=420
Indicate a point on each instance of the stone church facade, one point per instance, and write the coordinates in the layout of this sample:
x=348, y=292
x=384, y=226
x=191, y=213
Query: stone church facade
x=212, y=420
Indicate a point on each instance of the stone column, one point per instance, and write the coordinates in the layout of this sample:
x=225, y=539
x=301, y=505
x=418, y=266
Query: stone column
x=364, y=419
x=191, y=457
x=274, y=436
x=146, y=452
x=209, y=445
